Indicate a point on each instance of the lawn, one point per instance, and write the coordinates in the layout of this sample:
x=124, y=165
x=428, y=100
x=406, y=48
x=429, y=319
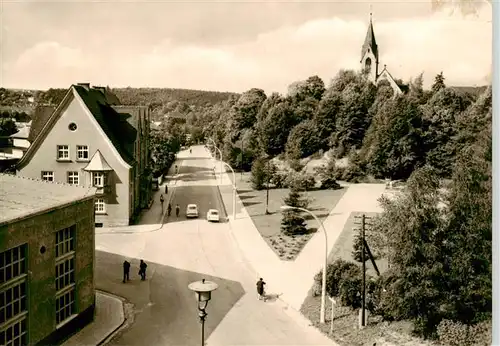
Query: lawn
x=286, y=247
x=345, y=320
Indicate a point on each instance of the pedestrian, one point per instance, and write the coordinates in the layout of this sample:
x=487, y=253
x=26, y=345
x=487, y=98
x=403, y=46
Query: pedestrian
x=190, y=150
x=166, y=189
x=161, y=201
x=126, y=271
x=177, y=210
x=142, y=270
x=260, y=289
x=169, y=209
x=176, y=170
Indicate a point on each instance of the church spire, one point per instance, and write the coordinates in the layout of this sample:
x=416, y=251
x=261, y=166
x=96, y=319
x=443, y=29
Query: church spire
x=370, y=42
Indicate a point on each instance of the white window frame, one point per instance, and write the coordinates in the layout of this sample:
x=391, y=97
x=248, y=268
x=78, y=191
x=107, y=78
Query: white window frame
x=13, y=301
x=82, y=153
x=100, y=205
x=63, y=152
x=65, y=275
x=73, y=177
x=48, y=175
x=99, y=179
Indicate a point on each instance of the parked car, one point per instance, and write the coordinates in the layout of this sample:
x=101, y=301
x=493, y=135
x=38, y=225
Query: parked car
x=213, y=215
x=192, y=210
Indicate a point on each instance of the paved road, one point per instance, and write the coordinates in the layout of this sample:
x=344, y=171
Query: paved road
x=183, y=251
x=195, y=184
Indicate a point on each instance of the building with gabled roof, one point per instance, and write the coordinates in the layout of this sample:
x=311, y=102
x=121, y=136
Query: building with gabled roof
x=88, y=124
x=370, y=61
x=47, y=252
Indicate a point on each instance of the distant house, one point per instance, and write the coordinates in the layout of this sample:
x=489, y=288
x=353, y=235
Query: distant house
x=89, y=139
x=14, y=146
x=47, y=252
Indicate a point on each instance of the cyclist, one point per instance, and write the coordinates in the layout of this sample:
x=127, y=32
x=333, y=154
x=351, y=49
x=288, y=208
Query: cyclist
x=177, y=210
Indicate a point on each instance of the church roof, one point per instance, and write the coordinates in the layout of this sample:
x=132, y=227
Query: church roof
x=370, y=42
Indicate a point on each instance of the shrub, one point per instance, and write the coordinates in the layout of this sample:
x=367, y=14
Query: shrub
x=279, y=179
x=451, y=333
x=296, y=165
x=350, y=287
x=335, y=275
x=293, y=222
x=300, y=181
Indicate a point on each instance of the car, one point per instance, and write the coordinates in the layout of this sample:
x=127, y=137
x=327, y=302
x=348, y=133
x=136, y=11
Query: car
x=213, y=215
x=192, y=210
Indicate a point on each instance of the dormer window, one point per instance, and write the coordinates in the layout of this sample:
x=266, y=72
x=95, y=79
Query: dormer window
x=99, y=179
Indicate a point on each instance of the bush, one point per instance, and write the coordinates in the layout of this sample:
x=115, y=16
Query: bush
x=350, y=287
x=451, y=333
x=296, y=165
x=300, y=181
x=334, y=276
x=279, y=179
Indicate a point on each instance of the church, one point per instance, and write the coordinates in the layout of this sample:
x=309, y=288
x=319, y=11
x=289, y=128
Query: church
x=370, y=62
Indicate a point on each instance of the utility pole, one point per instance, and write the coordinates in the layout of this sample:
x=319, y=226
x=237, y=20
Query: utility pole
x=364, y=248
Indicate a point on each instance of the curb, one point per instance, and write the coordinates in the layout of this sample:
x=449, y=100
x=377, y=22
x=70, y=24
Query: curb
x=221, y=200
x=125, y=319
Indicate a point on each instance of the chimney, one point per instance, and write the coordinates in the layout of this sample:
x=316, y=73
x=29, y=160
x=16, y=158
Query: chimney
x=85, y=85
x=100, y=88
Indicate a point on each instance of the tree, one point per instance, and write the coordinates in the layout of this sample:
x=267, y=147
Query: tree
x=438, y=83
x=303, y=140
x=326, y=114
x=258, y=178
x=292, y=222
x=440, y=116
x=393, y=146
x=274, y=128
x=358, y=247
x=247, y=108
x=7, y=127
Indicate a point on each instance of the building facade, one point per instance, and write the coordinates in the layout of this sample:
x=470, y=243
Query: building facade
x=85, y=141
x=370, y=61
x=47, y=251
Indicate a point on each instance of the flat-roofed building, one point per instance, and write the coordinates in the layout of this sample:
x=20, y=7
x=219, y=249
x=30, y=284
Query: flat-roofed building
x=47, y=251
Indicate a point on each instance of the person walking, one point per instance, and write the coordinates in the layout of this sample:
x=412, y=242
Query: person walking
x=166, y=189
x=126, y=271
x=169, y=209
x=260, y=289
x=177, y=210
x=142, y=270
x=161, y=201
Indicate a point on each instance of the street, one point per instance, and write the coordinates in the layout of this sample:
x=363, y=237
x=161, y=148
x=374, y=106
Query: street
x=183, y=251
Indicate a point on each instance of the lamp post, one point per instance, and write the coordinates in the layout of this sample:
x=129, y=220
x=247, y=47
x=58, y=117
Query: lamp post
x=323, y=283
x=234, y=189
x=203, y=290
x=220, y=153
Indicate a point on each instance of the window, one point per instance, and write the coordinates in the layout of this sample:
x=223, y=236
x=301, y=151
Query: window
x=100, y=206
x=99, y=179
x=65, y=306
x=63, y=152
x=12, y=263
x=73, y=178
x=72, y=127
x=82, y=152
x=65, y=274
x=65, y=241
x=15, y=334
x=47, y=175
x=13, y=297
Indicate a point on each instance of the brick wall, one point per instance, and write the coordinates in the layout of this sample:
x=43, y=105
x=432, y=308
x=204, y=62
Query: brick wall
x=38, y=231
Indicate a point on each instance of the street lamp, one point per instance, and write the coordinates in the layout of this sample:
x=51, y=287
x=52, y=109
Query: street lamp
x=234, y=189
x=323, y=283
x=220, y=153
x=203, y=290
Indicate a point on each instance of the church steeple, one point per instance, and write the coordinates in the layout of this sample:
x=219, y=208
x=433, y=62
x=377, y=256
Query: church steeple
x=370, y=42
x=369, y=54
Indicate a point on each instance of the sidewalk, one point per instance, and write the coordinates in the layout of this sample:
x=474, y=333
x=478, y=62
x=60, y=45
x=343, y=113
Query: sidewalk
x=294, y=279
x=109, y=316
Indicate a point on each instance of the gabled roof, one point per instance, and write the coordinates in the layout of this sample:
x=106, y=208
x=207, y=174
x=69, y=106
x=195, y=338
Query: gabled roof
x=98, y=163
x=370, y=42
x=115, y=125
x=40, y=118
x=121, y=134
x=390, y=76
x=21, y=197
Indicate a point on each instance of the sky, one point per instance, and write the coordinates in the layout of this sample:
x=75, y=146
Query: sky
x=233, y=45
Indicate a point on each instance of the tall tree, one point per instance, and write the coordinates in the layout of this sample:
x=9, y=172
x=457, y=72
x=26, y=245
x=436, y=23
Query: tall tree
x=438, y=83
x=303, y=140
x=247, y=108
x=326, y=114
x=274, y=128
